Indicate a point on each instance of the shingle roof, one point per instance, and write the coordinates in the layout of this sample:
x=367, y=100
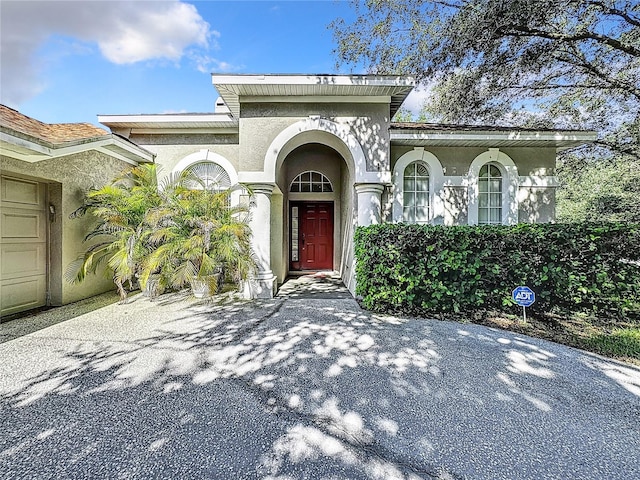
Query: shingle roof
x=49, y=132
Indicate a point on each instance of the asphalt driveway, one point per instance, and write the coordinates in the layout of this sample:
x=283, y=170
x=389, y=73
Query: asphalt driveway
x=304, y=386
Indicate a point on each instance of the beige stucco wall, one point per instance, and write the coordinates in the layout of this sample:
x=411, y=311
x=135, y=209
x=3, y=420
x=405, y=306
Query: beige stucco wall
x=348, y=215
x=260, y=124
x=278, y=237
x=536, y=204
x=69, y=178
x=168, y=155
x=457, y=160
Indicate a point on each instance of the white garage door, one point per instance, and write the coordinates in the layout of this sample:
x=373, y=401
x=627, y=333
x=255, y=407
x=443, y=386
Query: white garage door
x=23, y=245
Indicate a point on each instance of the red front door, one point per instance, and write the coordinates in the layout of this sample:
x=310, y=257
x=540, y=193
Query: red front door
x=315, y=236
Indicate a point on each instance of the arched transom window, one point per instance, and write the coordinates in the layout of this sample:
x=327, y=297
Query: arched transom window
x=311, y=182
x=212, y=176
x=490, y=195
x=415, y=204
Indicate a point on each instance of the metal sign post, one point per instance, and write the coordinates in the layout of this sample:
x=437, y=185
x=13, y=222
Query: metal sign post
x=525, y=297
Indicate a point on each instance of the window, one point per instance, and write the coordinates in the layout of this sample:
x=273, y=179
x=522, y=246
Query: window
x=308, y=182
x=294, y=234
x=212, y=176
x=415, y=204
x=490, y=195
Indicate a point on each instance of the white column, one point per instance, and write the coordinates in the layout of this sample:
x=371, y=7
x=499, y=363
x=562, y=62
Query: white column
x=369, y=203
x=264, y=283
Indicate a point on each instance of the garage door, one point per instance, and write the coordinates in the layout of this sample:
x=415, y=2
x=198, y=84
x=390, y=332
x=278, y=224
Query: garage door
x=23, y=245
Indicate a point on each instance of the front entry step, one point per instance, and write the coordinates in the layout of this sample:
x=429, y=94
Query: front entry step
x=319, y=285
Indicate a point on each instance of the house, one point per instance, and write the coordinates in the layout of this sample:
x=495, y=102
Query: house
x=319, y=156
x=45, y=170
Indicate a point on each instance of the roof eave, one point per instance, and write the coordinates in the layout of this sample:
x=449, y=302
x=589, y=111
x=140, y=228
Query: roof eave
x=232, y=87
x=31, y=149
x=557, y=139
x=214, y=123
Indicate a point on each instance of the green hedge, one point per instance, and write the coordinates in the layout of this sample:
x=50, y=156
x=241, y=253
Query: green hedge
x=420, y=269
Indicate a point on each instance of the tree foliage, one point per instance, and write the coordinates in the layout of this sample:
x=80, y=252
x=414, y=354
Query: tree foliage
x=598, y=191
x=543, y=63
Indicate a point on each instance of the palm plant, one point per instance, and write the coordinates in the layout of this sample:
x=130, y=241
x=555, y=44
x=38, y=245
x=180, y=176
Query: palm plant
x=119, y=239
x=196, y=234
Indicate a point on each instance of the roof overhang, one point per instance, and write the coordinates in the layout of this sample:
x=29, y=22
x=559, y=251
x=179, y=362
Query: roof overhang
x=236, y=89
x=30, y=149
x=215, y=123
x=560, y=140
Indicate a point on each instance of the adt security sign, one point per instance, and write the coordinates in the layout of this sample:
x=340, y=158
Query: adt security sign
x=524, y=296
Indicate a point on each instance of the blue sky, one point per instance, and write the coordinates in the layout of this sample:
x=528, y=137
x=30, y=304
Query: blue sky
x=68, y=61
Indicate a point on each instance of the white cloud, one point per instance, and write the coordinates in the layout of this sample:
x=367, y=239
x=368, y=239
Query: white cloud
x=125, y=33
x=416, y=99
x=207, y=64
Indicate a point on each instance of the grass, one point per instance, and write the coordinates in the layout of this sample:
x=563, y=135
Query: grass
x=610, y=337
x=620, y=342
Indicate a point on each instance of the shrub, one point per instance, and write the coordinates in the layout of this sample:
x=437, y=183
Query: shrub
x=181, y=230
x=419, y=269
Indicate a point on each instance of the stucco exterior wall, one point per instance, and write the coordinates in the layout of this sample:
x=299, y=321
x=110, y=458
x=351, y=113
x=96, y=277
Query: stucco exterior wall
x=535, y=172
x=348, y=217
x=169, y=155
x=278, y=236
x=260, y=123
x=457, y=160
x=537, y=205
x=69, y=178
x=456, y=206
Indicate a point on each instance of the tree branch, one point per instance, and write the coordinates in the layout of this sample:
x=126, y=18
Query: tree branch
x=580, y=62
x=631, y=149
x=616, y=12
x=524, y=31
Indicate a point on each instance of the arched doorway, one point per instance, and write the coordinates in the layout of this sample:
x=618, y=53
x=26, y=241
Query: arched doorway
x=311, y=177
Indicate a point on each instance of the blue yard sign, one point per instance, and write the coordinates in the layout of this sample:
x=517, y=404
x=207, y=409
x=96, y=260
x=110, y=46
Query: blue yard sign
x=525, y=297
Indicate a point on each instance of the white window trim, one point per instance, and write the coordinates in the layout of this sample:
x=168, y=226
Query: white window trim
x=510, y=185
x=436, y=182
x=206, y=155
x=325, y=179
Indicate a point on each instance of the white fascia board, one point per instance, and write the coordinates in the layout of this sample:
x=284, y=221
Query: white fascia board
x=187, y=118
x=371, y=80
x=552, y=138
x=314, y=99
x=182, y=131
x=35, y=147
x=42, y=152
x=113, y=154
x=132, y=148
x=102, y=144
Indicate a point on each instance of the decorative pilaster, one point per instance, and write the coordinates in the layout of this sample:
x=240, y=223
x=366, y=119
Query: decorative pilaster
x=263, y=284
x=369, y=203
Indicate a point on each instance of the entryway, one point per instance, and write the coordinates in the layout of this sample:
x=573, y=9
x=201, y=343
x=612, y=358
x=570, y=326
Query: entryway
x=317, y=285
x=311, y=236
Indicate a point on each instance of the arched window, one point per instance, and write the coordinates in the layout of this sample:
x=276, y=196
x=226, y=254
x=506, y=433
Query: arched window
x=415, y=204
x=490, y=195
x=311, y=182
x=212, y=176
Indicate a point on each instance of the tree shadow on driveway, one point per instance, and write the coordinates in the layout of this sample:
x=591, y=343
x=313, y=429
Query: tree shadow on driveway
x=309, y=388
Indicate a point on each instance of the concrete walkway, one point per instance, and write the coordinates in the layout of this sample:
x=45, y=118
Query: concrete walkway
x=303, y=386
